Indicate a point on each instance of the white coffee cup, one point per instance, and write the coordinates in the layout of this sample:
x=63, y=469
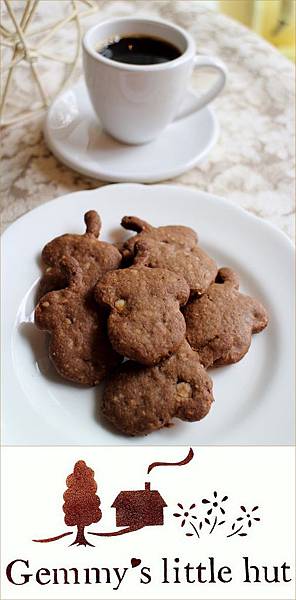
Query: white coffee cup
x=136, y=102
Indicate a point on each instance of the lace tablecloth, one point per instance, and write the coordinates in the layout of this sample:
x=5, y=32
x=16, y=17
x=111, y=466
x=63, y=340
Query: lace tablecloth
x=252, y=163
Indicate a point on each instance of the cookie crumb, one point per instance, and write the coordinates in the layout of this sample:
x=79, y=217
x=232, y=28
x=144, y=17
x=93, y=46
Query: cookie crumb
x=45, y=304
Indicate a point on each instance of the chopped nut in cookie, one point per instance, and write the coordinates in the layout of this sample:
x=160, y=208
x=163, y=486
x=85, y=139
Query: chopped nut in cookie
x=120, y=304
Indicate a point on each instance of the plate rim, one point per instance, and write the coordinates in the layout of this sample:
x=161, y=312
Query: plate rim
x=208, y=196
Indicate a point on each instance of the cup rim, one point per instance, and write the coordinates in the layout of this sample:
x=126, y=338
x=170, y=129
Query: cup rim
x=190, y=49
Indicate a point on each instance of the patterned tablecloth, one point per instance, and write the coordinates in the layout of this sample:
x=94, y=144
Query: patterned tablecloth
x=252, y=163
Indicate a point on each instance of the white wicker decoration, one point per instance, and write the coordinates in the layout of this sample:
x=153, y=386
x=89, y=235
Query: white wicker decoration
x=31, y=49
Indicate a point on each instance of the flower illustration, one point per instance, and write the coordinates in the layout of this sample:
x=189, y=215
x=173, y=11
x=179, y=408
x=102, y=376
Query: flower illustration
x=196, y=522
x=216, y=508
x=186, y=516
x=215, y=505
x=247, y=518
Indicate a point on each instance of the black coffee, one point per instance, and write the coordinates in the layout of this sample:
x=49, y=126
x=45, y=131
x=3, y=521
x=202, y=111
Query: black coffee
x=140, y=50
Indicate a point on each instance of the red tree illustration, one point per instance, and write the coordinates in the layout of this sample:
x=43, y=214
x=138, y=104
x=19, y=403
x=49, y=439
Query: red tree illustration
x=81, y=505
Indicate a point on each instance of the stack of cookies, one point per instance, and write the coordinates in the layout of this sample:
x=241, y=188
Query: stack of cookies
x=159, y=306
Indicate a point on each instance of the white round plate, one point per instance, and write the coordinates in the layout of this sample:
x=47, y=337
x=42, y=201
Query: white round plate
x=73, y=133
x=254, y=398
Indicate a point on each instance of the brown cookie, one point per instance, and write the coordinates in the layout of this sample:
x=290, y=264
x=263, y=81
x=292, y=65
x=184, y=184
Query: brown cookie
x=145, y=323
x=79, y=346
x=140, y=399
x=94, y=257
x=175, y=248
x=220, y=323
x=192, y=263
x=180, y=236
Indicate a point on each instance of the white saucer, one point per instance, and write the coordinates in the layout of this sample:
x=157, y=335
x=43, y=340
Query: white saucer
x=254, y=399
x=73, y=133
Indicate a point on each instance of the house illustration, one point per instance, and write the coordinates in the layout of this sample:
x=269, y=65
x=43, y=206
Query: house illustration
x=139, y=508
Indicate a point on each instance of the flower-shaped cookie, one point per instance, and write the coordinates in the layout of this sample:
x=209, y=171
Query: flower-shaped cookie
x=219, y=325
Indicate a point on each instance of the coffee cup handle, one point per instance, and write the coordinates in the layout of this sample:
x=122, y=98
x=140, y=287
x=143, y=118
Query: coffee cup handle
x=196, y=103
